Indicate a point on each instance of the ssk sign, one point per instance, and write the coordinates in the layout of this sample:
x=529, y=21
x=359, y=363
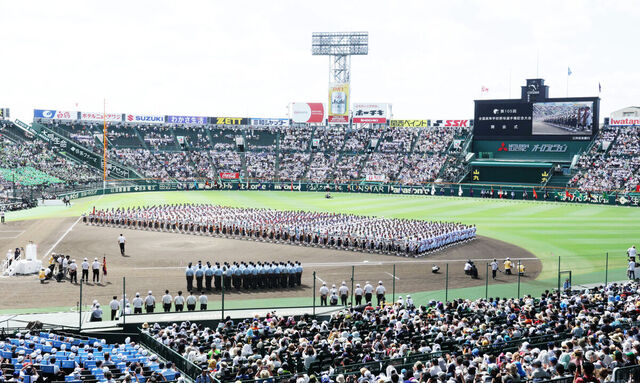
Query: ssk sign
x=143, y=119
x=451, y=123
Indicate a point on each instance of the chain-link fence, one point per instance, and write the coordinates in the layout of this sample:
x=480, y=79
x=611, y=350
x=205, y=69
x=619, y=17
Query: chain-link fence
x=416, y=279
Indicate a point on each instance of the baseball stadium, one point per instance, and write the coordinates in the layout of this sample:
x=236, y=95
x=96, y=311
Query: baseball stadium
x=336, y=242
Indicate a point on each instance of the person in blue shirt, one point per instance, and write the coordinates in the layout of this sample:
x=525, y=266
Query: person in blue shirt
x=217, y=276
x=208, y=276
x=237, y=276
x=298, y=273
x=204, y=377
x=189, y=272
x=199, y=275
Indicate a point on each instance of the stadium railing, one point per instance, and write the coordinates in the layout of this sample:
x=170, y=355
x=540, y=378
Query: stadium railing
x=181, y=363
x=623, y=374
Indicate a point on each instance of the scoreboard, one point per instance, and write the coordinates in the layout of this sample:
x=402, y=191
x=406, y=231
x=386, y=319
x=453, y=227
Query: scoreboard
x=536, y=117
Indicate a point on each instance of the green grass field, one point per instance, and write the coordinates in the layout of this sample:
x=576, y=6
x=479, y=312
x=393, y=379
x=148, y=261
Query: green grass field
x=580, y=234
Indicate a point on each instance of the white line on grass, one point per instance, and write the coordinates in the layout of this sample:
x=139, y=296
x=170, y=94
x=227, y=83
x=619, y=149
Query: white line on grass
x=391, y=275
x=320, y=279
x=61, y=238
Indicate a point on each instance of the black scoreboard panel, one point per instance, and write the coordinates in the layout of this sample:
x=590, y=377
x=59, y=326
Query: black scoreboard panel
x=573, y=119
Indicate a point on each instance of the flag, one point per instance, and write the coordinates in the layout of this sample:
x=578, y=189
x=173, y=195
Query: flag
x=638, y=188
x=484, y=89
x=535, y=195
x=567, y=194
x=433, y=189
x=569, y=71
x=104, y=265
x=500, y=193
x=459, y=190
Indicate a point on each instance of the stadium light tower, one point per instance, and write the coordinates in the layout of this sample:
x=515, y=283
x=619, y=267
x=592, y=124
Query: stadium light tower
x=340, y=46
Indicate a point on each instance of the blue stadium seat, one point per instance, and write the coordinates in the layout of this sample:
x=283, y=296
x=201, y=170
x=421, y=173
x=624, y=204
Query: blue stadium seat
x=47, y=369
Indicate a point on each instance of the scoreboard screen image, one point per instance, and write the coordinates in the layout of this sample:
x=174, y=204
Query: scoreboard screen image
x=574, y=119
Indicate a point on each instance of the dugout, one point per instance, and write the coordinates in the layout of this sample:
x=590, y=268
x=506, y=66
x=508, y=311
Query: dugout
x=510, y=172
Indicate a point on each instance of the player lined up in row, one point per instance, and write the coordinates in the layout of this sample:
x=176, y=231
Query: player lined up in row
x=247, y=275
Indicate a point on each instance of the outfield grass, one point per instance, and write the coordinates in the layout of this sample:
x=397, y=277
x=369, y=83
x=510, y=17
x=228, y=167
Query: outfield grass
x=580, y=234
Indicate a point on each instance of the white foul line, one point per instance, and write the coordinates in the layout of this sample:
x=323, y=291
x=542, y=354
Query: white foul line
x=61, y=238
x=391, y=275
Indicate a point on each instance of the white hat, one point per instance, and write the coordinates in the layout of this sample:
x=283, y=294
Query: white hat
x=379, y=282
x=149, y=292
x=343, y=283
x=85, y=258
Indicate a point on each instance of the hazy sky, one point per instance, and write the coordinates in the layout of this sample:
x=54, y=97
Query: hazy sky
x=252, y=58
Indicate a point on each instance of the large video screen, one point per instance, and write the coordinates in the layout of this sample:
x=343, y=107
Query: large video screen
x=562, y=118
x=573, y=119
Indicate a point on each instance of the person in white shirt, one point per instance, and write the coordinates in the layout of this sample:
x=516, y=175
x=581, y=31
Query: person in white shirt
x=191, y=302
x=203, y=301
x=380, y=290
x=333, y=299
x=137, y=304
x=95, y=267
x=124, y=302
x=632, y=252
x=121, y=241
x=127, y=309
x=73, y=271
x=85, y=271
x=409, y=302
x=358, y=292
x=166, y=301
x=324, y=291
x=631, y=270
x=115, y=306
x=494, y=268
x=368, y=292
x=344, y=293
x=179, y=301
x=150, y=302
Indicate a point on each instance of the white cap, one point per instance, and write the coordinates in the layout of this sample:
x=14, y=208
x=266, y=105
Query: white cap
x=149, y=292
x=379, y=282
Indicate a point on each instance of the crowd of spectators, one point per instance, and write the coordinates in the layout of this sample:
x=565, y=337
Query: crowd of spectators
x=291, y=153
x=48, y=357
x=37, y=158
x=574, y=333
x=612, y=163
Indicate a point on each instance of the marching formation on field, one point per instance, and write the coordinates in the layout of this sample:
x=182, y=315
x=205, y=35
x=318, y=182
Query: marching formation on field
x=334, y=230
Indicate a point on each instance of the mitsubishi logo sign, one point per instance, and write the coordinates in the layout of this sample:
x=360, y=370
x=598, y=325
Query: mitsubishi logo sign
x=503, y=148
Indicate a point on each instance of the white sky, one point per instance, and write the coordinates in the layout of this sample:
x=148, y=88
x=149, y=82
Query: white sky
x=252, y=58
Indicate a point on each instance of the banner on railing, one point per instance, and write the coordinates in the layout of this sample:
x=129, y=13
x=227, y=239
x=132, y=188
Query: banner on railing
x=269, y=122
x=229, y=121
x=51, y=114
x=109, y=117
x=409, y=123
x=229, y=175
x=371, y=113
x=143, y=119
x=375, y=178
x=188, y=120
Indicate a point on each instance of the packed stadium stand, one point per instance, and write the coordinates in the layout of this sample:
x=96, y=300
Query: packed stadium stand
x=590, y=332
x=287, y=153
x=612, y=163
